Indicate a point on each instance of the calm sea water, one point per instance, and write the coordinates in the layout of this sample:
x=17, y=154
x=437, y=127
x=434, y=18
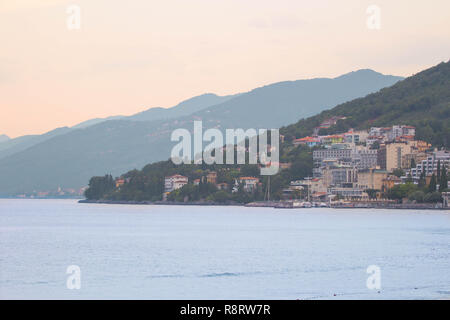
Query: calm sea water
x=177, y=252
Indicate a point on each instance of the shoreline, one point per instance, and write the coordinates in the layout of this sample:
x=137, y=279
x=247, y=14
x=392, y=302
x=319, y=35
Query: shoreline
x=275, y=204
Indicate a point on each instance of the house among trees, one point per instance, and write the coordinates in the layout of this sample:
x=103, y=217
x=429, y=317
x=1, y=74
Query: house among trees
x=249, y=183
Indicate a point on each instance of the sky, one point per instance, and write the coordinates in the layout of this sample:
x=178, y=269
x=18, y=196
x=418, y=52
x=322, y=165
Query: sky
x=128, y=56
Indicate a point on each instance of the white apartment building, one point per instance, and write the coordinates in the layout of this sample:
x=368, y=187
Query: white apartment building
x=174, y=182
x=429, y=165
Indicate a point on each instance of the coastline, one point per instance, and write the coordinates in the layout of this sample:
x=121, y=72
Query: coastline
x=277, y=204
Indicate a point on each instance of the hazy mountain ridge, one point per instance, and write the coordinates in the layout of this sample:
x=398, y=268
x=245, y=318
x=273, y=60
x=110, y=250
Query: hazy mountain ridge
x=12, y=146
x=3, y=138
x=116, y=146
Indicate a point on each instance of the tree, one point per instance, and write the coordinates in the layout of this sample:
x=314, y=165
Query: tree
x=443, y=181
x=422, y=179
x=439, y=169
x=375, y=145
x=433, y=183
x=433, y=197
x=372, y=193
x=398, y=172
x=413, y=163
x=401, y=191
x=417, y=196
x=100, y=187
x=409, y=178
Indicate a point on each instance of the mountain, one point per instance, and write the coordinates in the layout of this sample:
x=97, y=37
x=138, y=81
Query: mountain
x=3, y=138
x=278, y=104
x=115, y=146
x=18, y=144
x=91, y=122
x=422, y=100
x=186, y=107
x=182, y=109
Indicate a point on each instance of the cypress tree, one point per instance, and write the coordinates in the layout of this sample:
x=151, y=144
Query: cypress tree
x=443, y=183
x=433, y=183
x=439, y=169
x=422, y=180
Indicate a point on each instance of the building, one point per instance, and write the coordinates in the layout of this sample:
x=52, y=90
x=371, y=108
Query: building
x=446, y=199
x=355, y=137
x=389, y=134
x=312, y=185
x=250, y=184
x=390, y=181
x=211, y=177
x=337, y=152
x=222, y=186
x=349, y=193
x=365, y=158
x=332, y=139
x=285, y=165
x=409, y=159
x=339, y=175
x=174, y=182
x=371, y=179
x=390, y=155
x=430, y=164
x=120, y=182
x=309, y=141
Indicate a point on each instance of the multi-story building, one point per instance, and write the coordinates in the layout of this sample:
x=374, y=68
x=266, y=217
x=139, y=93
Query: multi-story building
x=355, y=136
x=332, y=139
x=309, y=141
x=430, y=164
x=174, y=182
x=392, y=133
x=409, y=159
x=337, y=152
x=390, y=155
x=371, y=178
x=365, y=158
x=339, y=175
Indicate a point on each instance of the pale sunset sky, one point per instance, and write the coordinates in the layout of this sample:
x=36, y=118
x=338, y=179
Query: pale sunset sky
x=129, y=56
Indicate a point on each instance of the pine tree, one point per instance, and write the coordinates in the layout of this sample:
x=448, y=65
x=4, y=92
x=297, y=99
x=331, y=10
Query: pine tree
x=433, y=183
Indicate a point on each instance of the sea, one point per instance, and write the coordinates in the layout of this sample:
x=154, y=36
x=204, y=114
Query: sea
x=62, y=249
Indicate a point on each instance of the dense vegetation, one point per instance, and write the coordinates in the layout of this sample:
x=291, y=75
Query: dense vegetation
x=148, y=184
x=422, y=192
x=422, y=100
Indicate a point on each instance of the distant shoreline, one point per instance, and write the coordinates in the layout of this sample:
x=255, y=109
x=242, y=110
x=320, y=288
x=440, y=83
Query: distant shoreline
x=274, y=204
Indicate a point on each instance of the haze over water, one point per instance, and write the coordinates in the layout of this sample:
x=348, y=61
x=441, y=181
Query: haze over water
x=190, y=252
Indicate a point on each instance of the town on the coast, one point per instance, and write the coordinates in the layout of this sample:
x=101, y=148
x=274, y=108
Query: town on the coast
x=384, y=167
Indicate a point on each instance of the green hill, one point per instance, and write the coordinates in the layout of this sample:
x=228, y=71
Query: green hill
x=422, y=100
